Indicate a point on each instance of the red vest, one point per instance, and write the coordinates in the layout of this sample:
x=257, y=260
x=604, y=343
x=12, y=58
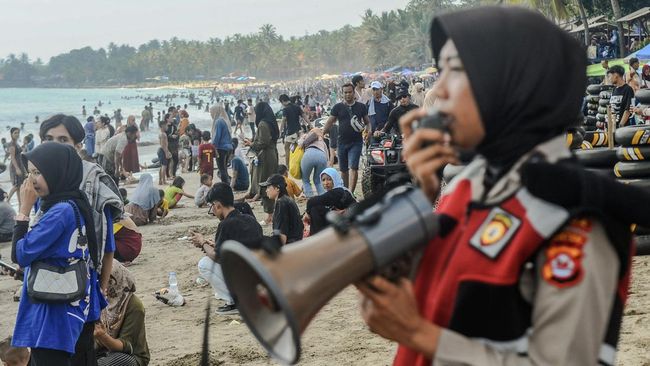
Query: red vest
x=471, y=281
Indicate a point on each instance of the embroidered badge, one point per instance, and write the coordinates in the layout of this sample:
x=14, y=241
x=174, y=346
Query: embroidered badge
x=563, y=266
x=495, y=232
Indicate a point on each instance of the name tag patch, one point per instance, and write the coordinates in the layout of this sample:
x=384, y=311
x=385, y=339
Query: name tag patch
x=495, y=232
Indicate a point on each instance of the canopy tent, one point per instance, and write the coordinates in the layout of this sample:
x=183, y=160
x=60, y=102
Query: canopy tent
x=394, y=69
x=581, y=28
x=407, y=72
x=594, y=22
x=644, y=53
x=637, y=14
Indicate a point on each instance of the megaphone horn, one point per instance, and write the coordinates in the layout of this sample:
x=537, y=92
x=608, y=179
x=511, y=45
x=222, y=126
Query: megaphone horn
x=278, y=295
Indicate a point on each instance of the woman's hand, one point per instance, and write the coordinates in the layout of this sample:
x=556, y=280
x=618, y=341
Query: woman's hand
x=390, y=310
x=426, y=151
x=100, y=330
x=28, y=197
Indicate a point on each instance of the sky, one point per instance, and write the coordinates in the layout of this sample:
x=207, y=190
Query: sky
x=45, y=28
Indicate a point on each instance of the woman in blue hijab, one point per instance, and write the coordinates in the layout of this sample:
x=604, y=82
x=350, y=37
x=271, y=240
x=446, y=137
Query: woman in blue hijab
x=336, y=198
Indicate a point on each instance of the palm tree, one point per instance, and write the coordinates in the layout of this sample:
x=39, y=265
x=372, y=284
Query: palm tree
x=268, y=32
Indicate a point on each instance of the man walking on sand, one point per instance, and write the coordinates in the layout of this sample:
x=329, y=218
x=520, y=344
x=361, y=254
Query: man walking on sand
x=353, y=119
x=250, y=112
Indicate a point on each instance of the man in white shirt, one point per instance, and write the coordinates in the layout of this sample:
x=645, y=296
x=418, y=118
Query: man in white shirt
x=250, y=112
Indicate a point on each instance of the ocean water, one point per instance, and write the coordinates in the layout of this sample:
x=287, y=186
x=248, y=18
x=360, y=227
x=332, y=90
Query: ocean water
x=22, y=105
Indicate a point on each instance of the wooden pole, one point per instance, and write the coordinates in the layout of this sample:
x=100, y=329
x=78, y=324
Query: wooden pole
x=611, y=126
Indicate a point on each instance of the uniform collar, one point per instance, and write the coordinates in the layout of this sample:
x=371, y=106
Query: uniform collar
x=551, y=151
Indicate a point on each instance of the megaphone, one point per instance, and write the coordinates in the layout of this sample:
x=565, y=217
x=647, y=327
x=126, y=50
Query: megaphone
x=278, y=294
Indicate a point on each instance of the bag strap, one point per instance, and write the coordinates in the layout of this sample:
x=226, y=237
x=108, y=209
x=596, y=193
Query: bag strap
x=82, y=240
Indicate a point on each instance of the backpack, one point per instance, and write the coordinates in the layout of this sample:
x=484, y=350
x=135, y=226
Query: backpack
x=101, y=191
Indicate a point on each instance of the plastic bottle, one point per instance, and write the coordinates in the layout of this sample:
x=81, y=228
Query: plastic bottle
x=173, y=283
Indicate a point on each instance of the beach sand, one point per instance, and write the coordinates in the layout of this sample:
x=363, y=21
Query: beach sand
x=337, y=336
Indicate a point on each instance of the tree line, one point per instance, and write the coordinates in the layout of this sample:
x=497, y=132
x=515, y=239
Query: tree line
x=398, y=37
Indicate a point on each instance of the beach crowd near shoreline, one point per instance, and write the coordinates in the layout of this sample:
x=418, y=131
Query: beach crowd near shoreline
x=240, y=168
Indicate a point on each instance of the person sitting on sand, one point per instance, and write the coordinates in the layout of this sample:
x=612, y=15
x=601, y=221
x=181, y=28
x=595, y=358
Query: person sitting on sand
x=202, y=192
x=287, y=225
x=13, y=356
x=233, y=226
x=121, y=333
x=145, y=202
x=293, y=190
x=7, y=215
x=336, y=198
x=128, y=240
x=240, y=177
x=175, y=192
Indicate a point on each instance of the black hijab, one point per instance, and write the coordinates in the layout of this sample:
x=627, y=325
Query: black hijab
x=264, y=112
x=62, y=169
x=527, y=75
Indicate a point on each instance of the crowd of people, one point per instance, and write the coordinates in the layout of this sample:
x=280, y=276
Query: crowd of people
x=73, y=214
x=85, y=202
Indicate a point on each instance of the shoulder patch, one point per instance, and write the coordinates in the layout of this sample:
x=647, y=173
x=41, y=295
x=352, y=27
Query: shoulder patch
x=563, y=266
x=495, y=232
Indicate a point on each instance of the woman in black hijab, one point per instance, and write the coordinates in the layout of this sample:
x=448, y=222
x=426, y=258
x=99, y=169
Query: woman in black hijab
x=517, y=267
x=53, y=329
x=264, y=112
x=265, y=162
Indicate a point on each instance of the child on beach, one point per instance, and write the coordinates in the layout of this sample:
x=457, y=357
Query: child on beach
x=207, y=154
x=175, y=192
x=163, y=153
x=163, y=208
x=202, y=192
x=240, y=178
x=293, y=189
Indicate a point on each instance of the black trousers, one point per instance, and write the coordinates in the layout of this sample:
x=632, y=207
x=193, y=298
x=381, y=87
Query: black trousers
x=319, y=221
x=175, y=162
x=222, y=165
x=252, y=125
x=49, y=357
x=84, y=354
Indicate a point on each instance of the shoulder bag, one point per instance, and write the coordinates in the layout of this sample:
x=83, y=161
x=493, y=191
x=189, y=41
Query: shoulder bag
x=47, y=283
